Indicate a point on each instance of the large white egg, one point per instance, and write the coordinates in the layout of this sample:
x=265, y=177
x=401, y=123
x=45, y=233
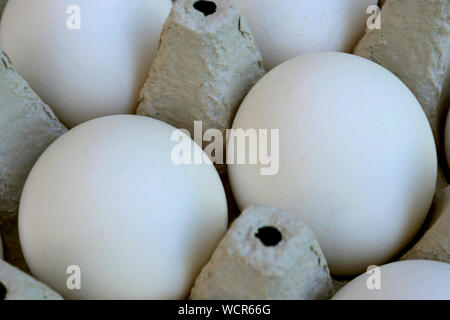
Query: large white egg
x=107, y=198
x=357, y=160
x=90, y=72
x=404, y=280
x=286, y=29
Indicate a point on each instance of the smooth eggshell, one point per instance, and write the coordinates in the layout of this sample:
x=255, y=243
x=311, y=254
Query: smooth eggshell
x=106, y=197
x=357, y=156
x=404, y=280
x=87, y=73
x=286, y=29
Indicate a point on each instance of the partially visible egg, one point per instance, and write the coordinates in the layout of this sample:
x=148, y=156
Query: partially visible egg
x=83, y=73
x=355, y=158
x=403, y=280
x=289, y=28
x=106, y=203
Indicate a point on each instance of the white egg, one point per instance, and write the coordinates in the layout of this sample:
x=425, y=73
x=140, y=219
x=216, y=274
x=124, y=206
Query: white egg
x=106, y=198
x=286, y=29
x=404, y=280
x=357, y=160
x=84, y=73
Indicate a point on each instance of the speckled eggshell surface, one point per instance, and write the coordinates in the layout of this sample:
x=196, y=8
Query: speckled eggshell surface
x=357, y=160
x=107, y=198
x=286, y=29
x=84, y=73
x=404, y=280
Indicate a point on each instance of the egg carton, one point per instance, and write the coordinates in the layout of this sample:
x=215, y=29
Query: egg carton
x=415, y=49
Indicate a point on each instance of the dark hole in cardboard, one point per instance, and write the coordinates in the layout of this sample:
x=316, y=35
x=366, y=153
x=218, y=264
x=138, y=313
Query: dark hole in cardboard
x=205, y=7
x=269, y=236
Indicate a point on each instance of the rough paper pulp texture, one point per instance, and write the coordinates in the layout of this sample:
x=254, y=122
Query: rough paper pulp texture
x=27, y=127
x=435, y=244
x=204, y=68
x=414, y=43
x=21, y=286
x=242, y=267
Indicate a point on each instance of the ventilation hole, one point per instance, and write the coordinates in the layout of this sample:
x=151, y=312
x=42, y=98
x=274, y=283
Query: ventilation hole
x=2, y=291
x=205, y=7
x=269, y=236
